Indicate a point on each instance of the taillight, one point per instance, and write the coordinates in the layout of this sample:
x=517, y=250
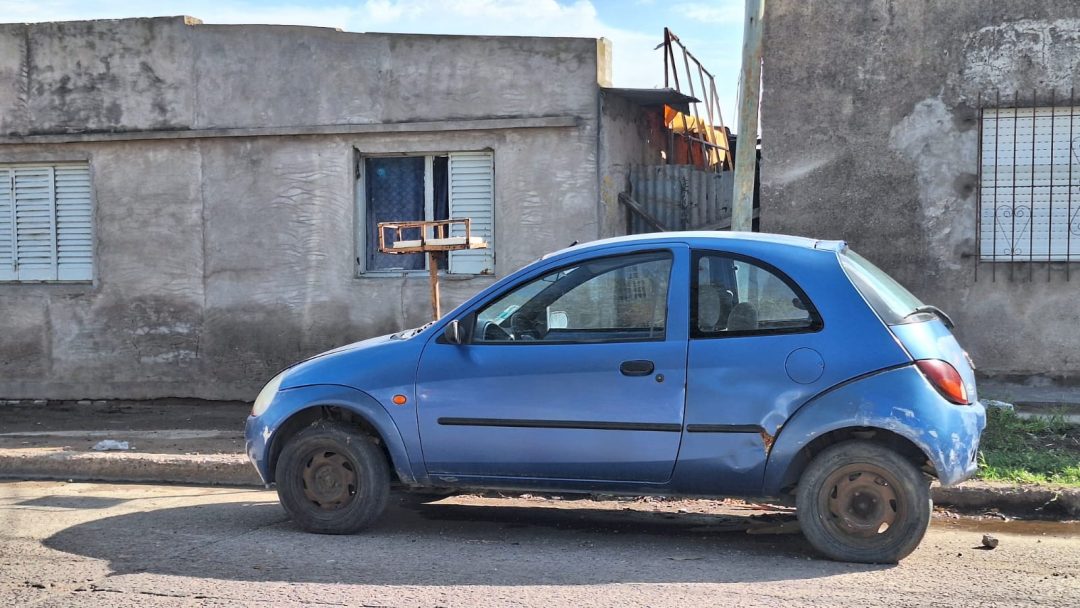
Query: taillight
x=945, y=379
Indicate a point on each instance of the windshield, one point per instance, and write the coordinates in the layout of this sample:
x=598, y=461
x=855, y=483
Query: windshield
x=889, y=299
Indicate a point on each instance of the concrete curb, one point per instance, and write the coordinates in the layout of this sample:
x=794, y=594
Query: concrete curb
x=1023, y=500
x=204, y=469
x=235, y=470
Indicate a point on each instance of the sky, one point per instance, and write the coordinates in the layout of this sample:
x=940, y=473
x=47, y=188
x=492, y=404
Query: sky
x=711, y=29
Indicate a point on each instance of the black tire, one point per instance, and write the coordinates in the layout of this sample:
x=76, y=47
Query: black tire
x=332, y=479
x=858, y=501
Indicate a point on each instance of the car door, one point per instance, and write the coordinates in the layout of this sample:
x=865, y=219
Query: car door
x=576, y=373
x=755, y=354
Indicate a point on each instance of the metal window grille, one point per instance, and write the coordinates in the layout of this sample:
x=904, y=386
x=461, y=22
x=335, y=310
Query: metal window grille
x=1029, y=187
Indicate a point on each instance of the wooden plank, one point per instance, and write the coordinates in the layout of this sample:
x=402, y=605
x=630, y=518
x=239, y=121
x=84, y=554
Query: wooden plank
x=438, y=229
x=433, y=277
x=638, y=209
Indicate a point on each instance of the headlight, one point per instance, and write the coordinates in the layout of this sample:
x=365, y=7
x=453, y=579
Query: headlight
x=266, y=395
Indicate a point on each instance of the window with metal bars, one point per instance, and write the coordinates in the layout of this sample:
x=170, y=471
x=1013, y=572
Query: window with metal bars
x=1029, y=193
x=46, y=228
x=452, y=185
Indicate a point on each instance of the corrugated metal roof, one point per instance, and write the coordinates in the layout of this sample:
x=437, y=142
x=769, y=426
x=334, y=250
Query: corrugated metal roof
x=655, y=97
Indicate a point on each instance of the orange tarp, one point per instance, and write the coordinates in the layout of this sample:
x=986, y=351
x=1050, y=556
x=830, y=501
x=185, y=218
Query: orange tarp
x=682, y=123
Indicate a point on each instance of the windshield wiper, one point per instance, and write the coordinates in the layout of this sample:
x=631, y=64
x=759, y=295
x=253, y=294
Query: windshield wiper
x=405, y=334
x=934, y=310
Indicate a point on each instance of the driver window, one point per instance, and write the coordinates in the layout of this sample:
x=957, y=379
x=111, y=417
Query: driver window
x=613, y=299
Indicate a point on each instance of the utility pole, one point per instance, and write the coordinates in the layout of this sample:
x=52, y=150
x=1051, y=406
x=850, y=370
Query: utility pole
x=742, y=207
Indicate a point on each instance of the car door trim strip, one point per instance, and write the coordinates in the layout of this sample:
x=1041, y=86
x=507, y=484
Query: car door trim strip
x=564, y=424
x=724, y=428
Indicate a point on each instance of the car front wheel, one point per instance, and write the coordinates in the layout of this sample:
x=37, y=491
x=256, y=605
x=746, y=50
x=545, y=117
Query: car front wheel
x=332, y=479
x=863, y=502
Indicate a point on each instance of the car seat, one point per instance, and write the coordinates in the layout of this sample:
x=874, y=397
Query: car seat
x=714, y=307
x=743, y=317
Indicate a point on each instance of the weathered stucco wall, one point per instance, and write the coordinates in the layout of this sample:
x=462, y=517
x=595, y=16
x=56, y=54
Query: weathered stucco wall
x=625, y=141
x=219, y=260
x=175, y=73
x=870, y=134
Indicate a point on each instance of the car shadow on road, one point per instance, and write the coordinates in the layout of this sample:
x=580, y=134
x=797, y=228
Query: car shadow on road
x=448, y=544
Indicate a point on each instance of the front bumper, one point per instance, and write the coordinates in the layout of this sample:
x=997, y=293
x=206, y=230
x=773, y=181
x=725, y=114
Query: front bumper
x=256, y=434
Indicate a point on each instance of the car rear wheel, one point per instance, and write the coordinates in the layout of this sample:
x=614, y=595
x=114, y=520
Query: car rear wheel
x=863, y=502
x=332, y=479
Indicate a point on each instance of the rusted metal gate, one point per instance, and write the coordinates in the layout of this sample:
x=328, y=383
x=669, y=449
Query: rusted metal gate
x=677, y=197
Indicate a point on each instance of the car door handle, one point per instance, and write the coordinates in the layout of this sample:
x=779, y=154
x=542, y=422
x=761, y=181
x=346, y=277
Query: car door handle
x=637, y=367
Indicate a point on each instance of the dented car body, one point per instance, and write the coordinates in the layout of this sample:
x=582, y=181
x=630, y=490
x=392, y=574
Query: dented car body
x=696, y=364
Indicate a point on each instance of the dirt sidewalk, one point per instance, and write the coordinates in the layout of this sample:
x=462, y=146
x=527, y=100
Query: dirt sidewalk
x=198, y=442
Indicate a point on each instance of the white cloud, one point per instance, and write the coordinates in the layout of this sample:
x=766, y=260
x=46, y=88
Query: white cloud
x=718, y=12
x=635, y=63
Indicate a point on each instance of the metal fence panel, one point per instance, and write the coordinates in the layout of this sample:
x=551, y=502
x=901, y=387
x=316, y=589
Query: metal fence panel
x=681, y=197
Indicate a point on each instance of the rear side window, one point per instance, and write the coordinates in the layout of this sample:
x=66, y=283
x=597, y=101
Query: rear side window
x=889, y=299
x=731, y=295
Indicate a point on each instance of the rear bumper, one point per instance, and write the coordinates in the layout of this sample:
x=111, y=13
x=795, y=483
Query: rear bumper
x=954, y=442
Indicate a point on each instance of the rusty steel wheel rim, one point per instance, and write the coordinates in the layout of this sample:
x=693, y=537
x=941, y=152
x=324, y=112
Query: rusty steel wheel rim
x=330, y=480
x=860, y=501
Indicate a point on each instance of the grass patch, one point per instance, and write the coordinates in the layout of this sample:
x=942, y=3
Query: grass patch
x=1029, y=450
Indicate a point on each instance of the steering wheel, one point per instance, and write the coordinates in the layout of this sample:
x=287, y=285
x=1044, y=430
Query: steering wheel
x=523, y=328
x=493, y=332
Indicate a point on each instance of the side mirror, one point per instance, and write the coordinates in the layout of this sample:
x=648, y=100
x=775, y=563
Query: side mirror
x=454, y=333
x=557, y=319
x=458, y=331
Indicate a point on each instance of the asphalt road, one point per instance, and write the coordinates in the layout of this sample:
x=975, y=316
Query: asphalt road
x=78, y=544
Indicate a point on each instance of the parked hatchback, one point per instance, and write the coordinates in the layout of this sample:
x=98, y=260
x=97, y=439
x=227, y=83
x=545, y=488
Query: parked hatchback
x=675, y=364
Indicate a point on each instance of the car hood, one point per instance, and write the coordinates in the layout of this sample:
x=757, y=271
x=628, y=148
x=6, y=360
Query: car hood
x=358, y=365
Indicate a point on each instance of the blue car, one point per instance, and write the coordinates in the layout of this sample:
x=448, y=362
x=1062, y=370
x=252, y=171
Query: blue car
x=676, y=364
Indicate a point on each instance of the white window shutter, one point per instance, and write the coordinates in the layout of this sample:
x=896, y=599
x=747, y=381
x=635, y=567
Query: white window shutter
x=472, y=195
x=35, y=225
x=74, y=238
x=46, y=225
x=7, y=223
x=1029, y=176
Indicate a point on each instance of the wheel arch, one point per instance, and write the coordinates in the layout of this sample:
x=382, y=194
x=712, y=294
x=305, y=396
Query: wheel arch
x=893, y=406
x=365, y=414
x=789, y=478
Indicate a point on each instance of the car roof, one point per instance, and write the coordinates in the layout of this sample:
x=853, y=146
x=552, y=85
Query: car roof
x=705, y=239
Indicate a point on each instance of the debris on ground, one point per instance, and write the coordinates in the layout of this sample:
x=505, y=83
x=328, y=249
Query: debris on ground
x=111, y=444
x=784, y=527
x=768, y=506
x=1001, y=405
x=989, y=541
x=773, y=523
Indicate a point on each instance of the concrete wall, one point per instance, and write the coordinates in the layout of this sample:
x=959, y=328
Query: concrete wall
x=625, y=141
x=870, y=134
x=175, y=73
x=221, y=259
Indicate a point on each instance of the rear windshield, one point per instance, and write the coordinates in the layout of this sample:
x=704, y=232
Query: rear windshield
x=889, y=299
